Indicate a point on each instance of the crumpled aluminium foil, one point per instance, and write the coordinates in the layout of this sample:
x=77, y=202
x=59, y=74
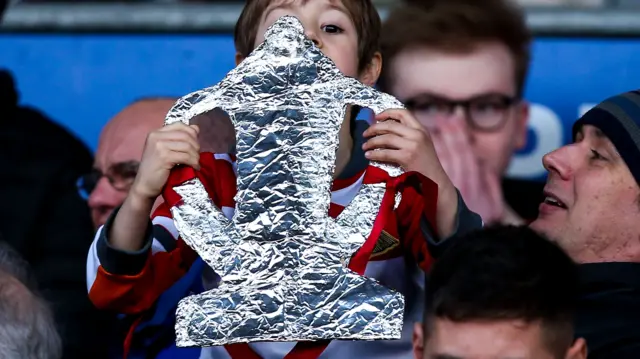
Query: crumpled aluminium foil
x=282, y=260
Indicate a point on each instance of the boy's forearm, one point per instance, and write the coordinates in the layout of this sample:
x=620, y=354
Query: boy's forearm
x=131, y=223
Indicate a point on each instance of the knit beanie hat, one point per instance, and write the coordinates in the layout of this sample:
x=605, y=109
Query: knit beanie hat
x=618, y=117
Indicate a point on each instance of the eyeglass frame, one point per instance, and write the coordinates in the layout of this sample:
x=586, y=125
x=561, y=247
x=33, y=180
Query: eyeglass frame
x=126, y=170
x=507, y=102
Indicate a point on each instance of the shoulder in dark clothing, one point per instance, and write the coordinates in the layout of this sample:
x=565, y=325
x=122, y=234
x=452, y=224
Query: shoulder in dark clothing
x=608, y=314
x=45, y=219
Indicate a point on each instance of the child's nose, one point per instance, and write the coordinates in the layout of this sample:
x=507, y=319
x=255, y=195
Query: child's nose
x=314, y=37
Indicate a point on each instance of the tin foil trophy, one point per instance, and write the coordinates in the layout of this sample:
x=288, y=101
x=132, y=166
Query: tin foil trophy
x=282, y=260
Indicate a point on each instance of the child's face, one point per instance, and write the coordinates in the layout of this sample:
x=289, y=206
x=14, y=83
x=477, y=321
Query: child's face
x=327, y=23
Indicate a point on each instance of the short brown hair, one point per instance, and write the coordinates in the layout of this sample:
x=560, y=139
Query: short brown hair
x=494, y=274
x=456, y=26
x=363, y=14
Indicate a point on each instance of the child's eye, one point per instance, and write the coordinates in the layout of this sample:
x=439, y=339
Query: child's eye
x=332, y=29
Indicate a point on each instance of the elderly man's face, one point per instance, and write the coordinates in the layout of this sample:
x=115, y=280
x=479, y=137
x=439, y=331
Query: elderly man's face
x=119, y=152
x=591, y=207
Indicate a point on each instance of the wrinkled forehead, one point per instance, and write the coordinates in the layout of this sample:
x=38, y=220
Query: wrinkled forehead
x=123, y=140
x=123, y=137
x=120, y=145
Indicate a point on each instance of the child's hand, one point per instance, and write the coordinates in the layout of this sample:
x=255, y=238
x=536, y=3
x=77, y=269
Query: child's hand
x=176, y=144
x=400, y=139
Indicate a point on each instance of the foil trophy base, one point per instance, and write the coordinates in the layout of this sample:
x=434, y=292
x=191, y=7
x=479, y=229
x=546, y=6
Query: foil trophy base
x=299, y=309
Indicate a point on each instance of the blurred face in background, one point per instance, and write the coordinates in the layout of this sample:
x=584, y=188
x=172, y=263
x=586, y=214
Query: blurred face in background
x=474, y=91
x=118, y=156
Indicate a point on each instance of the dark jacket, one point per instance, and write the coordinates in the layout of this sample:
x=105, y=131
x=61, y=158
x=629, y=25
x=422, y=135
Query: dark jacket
x=523, y=196
x=44, y=218
x=608, y=315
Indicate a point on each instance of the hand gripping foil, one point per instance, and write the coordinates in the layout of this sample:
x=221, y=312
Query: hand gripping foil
x=282, y=259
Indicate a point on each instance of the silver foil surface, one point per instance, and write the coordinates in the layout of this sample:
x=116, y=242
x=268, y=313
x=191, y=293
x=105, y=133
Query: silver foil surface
x=281, y=258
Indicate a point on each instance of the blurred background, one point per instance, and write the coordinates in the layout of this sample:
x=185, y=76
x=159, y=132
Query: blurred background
x=82, y=61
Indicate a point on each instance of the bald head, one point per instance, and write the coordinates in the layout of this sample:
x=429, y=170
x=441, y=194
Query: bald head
x=122, y=139
x=122, y=142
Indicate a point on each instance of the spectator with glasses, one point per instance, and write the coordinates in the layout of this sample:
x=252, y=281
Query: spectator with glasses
x=105, y=188
x=460, y=67
x=118, y=155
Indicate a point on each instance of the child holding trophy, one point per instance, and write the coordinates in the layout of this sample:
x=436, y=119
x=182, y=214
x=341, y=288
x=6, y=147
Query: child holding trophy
x=142, y=267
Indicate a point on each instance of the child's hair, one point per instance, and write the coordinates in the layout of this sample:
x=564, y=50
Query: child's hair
x=456, y=26
x=363, y=14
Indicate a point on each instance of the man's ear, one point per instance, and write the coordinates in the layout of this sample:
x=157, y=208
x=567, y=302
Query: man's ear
x=418, y=341
x=239, y=58
x=578, y=350
x=369, y=76
x=522, y=119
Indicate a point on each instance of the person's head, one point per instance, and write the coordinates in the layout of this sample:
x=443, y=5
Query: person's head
x=592, y=197
x=500, y=293
x=346, y=31
x=27, y=328
x=440, y=54
x=119, y=153
x=12, y=263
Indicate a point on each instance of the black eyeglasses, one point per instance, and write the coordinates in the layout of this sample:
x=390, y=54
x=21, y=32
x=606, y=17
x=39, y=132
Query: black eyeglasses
x=485, y=113
x=120, y=176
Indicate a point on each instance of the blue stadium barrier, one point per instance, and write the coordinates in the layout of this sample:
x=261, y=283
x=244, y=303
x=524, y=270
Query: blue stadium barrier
x=81, y=80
